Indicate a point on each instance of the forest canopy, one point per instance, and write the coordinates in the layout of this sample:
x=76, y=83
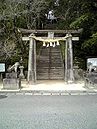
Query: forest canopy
x=32, y=14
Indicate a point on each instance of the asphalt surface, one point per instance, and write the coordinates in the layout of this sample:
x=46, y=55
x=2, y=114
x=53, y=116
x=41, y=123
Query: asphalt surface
x=48, y=112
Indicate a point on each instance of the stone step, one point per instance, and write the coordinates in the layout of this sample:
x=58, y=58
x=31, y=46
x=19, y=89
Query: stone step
x=57, y=77
x=50, y=68
x=53, y=70
x=50, y=64
x=49, y=73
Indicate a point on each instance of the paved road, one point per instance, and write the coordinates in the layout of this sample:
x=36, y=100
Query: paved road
x=48, y=112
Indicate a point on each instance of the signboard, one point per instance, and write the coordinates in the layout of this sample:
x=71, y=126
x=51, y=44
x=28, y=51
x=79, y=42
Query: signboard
x=2, y=67
x=92, y=64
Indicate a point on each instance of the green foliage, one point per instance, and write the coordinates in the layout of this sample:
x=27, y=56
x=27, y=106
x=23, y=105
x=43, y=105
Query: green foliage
x=79, y=22
x=90, y=42
x=86, y=20
x=94, y=35
x=79, y=62
x=71, y=14
x=13, y=15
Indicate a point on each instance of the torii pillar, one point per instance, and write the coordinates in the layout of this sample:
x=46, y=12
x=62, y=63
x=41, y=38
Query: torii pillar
x=32, y=61
x=69, y=75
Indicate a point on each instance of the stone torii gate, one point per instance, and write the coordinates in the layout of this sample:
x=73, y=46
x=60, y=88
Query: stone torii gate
x=69, y=76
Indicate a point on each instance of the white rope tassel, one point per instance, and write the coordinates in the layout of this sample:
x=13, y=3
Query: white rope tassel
x=58, y=43
x=54, y=44
x=44, y=44
x=51, y=44
x=47, y=45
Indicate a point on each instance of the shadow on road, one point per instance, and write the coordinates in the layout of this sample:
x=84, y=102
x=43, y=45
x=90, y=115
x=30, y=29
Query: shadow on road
x=3, y=96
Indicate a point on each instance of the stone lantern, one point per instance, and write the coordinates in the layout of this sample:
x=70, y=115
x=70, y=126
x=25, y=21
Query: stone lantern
x=21, y=67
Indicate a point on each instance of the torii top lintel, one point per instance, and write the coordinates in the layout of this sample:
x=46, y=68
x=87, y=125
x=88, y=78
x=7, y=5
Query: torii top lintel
x=26, y=31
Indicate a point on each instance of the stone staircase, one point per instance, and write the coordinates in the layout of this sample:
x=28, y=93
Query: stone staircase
x=50, y=64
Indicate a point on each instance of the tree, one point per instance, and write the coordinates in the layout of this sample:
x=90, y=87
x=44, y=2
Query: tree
x=16, y=14
x=86, y=20
x=30, y=14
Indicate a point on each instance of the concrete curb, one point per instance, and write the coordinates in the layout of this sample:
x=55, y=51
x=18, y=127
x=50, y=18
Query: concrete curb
x=43, y=89
x=46, y=92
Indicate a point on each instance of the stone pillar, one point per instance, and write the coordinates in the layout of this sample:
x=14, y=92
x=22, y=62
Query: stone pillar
x=32, y=61
x=66, y=51
x=69, y=76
